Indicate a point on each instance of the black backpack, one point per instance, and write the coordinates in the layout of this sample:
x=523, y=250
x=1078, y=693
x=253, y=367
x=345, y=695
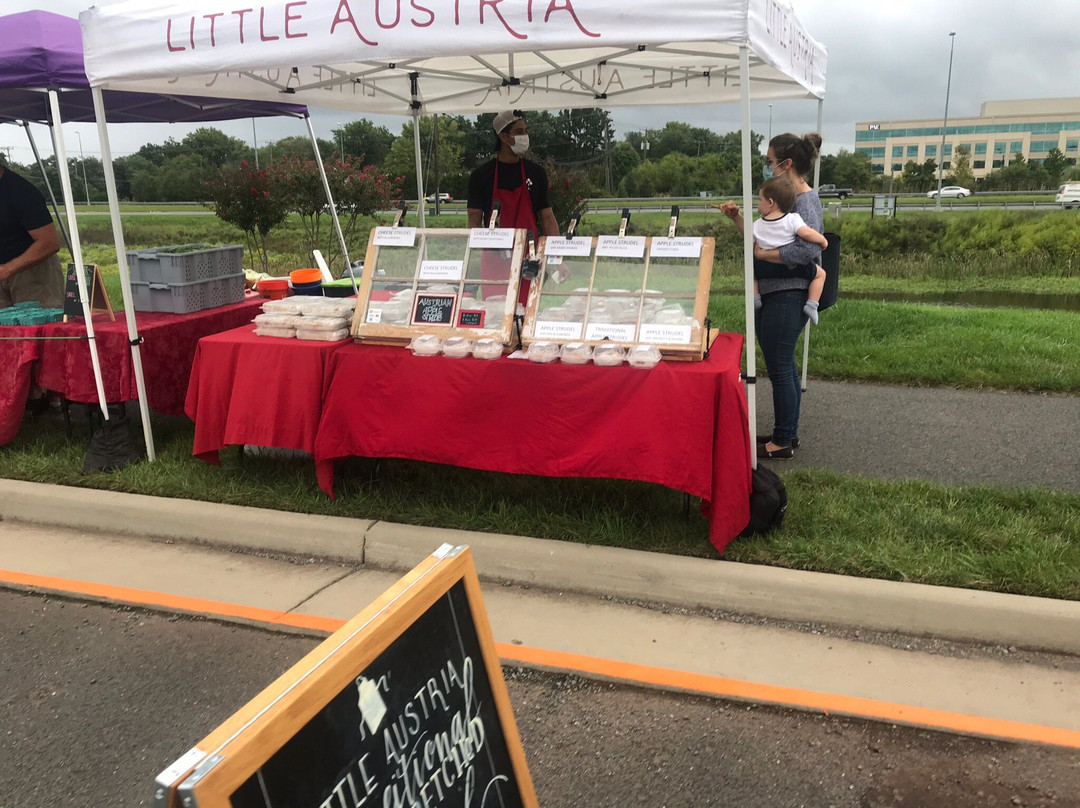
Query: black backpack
x=768, y=502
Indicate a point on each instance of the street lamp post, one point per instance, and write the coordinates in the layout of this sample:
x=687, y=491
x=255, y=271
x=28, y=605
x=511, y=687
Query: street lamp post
x=255, y=143
x=341, y=141
x=770, y=122
x=945, y=123
x=82, y=159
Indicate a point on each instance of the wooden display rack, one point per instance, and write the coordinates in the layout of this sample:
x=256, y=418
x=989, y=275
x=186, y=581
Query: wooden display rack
x=685, y=341
x=429, y=261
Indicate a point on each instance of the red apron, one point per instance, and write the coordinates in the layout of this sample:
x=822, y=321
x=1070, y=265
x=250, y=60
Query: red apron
x=517, y=212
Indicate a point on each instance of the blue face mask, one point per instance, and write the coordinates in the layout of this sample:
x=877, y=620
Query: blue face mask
x=767, y=171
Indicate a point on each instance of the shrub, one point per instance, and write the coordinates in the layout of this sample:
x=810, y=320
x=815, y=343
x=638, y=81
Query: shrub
x=249, y=200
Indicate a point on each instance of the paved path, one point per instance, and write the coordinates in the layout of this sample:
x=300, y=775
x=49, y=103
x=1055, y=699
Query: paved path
x=960, y=437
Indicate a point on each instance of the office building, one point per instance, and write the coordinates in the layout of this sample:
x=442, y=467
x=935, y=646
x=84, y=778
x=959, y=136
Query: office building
x=1002, y=129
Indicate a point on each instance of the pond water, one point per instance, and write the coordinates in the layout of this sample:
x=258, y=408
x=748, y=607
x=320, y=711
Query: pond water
x=1010, y=300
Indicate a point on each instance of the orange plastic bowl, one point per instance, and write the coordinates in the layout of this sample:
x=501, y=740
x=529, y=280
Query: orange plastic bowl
x=305, y=276
x=273, y=288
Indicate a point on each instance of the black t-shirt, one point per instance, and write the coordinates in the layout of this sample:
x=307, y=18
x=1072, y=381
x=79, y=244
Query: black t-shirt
x=482, y=183
x=22, y=209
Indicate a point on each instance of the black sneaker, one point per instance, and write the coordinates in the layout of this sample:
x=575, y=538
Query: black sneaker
x=766, y=438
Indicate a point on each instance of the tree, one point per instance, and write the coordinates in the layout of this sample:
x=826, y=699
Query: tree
x=961, y=173
x=297, y=146
x=624, y=158
x=401, y=161
x=249, y=200
x=919, y=176
x=364, y=139
x=847, y=169
x=1055, y=165
x=214, y=147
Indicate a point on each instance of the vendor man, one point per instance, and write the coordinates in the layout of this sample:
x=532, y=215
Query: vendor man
x=520, y=185
x=29, y=265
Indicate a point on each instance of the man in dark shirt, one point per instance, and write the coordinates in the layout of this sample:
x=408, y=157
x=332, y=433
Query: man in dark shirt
x=530, y=209
x=29, y=266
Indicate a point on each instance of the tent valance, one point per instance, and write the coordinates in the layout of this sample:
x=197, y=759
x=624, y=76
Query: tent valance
x=456, y=55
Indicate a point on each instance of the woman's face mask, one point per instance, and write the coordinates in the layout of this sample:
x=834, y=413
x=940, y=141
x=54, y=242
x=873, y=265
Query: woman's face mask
x=768, y=171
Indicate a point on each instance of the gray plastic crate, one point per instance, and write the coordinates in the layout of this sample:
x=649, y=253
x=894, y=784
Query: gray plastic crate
x=185, y=298
x=199, y=263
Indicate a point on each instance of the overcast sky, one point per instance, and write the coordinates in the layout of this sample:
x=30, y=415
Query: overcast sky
x=887, y=59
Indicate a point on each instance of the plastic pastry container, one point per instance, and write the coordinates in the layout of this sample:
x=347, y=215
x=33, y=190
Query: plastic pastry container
x=425, y=345
x=457, y=347
x=543, y=352
x=575, y=353
x=286, y=306
x=608, y=355
x=487, y=348
x=322, y=336
x=643, y=356
x=322, y=323
x=273, y=331
x=276, y=320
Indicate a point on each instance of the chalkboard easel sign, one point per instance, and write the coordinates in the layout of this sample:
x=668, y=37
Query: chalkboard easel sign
x=404, y=705
x=99, y=298
x=434, y=308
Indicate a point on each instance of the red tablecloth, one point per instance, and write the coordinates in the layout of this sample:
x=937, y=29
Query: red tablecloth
x=258, y=390
x=168, y=350
x=682, y=424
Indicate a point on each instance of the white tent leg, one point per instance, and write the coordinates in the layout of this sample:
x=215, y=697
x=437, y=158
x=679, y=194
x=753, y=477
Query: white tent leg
x=748, y=252
x=820, y=123
x=419, y=174
x=125, y=275
x=805, y=355
x=329, y=197
x=48, y=185
x=76, y=246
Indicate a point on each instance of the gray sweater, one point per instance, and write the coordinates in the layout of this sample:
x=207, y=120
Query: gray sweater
x=798, y=252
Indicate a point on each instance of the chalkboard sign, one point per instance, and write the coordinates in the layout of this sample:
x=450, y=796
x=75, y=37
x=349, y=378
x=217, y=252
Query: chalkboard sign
x=471, y=318
x=434, y=309
x=405, y=705
x=95, y=287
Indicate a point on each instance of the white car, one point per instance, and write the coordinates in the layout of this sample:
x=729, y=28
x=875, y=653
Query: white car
x=950, y=191
x=1068, y=195
x=443, y=197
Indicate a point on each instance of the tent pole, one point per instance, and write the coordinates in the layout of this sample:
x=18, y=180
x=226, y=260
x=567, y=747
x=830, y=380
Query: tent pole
x=330, y=198
x=419, y=178
x=134, y=340
x=48, y=185
x=76, y=246
x=748, y=251
x=817, y=182
x=820, y=123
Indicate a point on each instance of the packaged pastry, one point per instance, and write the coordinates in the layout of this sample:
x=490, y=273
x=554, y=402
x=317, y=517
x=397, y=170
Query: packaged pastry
x=643, y=356
x=457, y=347
x=543, y=352
x=575, y=353
x=487, y=348
x=274, y=331
x=425, y=345
x=608, y=355
x=322, y=335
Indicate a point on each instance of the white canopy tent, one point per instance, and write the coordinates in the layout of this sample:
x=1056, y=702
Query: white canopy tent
x=416, y=57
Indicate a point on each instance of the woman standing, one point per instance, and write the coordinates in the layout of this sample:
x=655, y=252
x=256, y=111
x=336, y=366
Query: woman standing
x=783, y=276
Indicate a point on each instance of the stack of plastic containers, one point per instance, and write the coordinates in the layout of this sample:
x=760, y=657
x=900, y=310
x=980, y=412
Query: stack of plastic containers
x=315, y=318
x=187, y=278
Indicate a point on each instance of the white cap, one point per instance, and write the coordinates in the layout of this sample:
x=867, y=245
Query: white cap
x=503, y=120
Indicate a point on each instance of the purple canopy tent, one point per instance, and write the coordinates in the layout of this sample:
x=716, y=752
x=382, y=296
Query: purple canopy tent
x=42, y=80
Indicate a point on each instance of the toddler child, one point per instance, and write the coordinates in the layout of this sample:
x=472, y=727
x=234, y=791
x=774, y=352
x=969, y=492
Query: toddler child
x=778, y=226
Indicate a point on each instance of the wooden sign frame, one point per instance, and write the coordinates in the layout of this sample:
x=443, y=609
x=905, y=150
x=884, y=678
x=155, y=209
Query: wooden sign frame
x=400, y=334
x=99, y=296
x=210, y=775
x=694, y=350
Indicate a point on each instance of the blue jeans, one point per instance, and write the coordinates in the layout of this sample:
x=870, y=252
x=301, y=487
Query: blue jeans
x=779, y=322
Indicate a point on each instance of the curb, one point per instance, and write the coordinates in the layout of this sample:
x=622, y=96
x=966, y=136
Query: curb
x=954, y=614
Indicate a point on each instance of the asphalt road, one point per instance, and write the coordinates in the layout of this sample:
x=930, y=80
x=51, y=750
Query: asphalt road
x=97, y=699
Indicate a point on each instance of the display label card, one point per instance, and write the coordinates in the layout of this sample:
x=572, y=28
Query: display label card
x=394, y=237
x=615, y=247
x=471, y=318
x=556, y=330
x=489, y=238
x=680, y=247
x=433, y=309
x=373, y=316
x=665, y=334
x=617, y=332
x=560, y=245
x=441, y=270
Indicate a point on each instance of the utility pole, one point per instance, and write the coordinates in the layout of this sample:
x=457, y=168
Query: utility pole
x=435, y=159
x=255, y=143
x=82, y=159
x=607, y=159
x=945, y=123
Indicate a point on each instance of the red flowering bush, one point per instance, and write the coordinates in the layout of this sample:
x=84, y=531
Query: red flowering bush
x=568, y=190
x=359, y=191
x=249, y=200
